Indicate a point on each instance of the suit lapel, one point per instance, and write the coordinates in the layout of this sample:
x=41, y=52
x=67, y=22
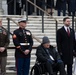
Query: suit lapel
x=64, y=31
x=71, y=33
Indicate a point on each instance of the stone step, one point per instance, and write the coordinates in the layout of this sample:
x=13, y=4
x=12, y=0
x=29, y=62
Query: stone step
x=35, y=26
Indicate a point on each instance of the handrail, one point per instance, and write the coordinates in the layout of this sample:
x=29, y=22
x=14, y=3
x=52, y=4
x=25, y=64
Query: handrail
x=45, y=13
x=42, y=10
x=18, y=24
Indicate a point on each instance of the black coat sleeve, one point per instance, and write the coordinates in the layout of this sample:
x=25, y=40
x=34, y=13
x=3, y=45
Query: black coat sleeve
x=59, y=41
x=40, y=55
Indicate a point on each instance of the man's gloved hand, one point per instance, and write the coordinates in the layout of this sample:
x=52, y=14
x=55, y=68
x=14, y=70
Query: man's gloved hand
x=59, y=61
x=2, y=49
x=51, y=61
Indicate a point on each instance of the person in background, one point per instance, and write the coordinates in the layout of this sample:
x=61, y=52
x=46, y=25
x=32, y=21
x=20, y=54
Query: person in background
x=61, y=7
x=4, y=42
x=71, y=7
x=50, y=6
x=40, y=4
x=10, y=7
x=47, y=54
x=66, y=44
x=22, y=39
x=14, y=7
x=30, y=7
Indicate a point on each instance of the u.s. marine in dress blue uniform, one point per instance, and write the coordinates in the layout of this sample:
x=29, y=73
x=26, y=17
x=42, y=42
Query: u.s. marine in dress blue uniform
x=22, y=39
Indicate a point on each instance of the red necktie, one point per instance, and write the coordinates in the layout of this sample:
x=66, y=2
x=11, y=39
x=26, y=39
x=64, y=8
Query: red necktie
x=68, y=31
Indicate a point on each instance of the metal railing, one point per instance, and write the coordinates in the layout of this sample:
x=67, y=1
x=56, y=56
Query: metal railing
x=43, y=15
x=41, y=9
x=8, y=18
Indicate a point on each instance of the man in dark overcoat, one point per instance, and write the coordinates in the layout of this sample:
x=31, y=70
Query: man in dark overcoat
x=47, y=54
x=66, y=44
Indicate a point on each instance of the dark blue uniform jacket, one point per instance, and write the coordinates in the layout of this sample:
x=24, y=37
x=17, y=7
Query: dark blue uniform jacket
x=20, y=37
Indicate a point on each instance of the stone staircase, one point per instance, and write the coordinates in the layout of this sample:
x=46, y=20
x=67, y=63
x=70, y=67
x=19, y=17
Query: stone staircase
x=35, y=26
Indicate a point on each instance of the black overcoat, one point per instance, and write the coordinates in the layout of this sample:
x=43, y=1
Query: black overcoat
x=60, y=5
x=30, y=7
x=42, y=55
x=71, y=5
x=66, y=44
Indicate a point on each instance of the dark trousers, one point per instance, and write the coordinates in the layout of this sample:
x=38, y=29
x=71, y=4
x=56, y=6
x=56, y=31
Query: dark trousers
x=56, y=66
x=11, y=9
x=3, y=65
x=22, y=65
x=69, y=69
x=50, y=3
x=71, y=13
x=30, y=8
x=18, y=9
x=59, y=12
x=41, y=5
x=71, y=8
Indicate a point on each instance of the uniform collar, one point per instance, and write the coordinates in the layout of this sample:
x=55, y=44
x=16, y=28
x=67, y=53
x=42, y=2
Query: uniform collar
x=21, y=28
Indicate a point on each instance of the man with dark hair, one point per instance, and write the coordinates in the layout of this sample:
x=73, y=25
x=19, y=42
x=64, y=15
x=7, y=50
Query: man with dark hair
x=64, y=19
x=47, y=54
x=66, y=44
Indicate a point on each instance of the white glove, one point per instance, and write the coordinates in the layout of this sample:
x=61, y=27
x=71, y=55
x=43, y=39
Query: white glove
x=2, y=49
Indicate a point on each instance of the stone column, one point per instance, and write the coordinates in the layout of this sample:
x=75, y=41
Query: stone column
x=1, y=10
